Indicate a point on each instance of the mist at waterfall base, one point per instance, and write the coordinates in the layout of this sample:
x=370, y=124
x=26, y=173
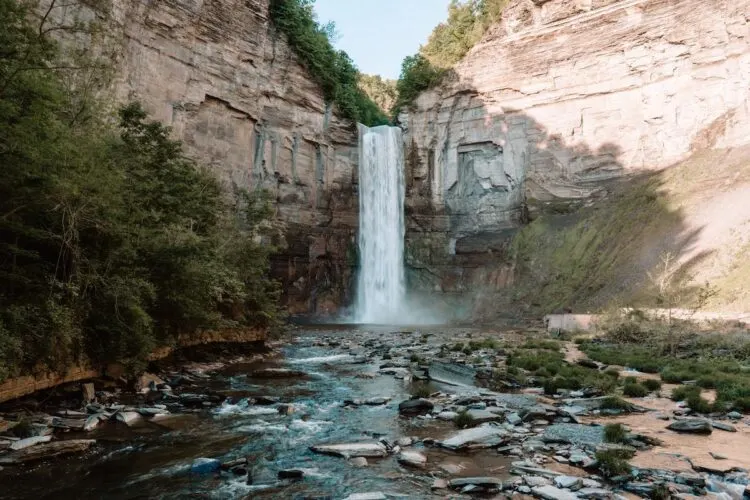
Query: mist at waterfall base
x=382, y=296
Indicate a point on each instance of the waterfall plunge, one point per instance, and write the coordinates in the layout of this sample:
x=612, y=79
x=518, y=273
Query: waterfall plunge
x=381, y=292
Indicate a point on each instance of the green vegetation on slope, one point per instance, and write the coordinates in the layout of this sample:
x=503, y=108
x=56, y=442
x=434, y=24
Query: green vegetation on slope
x=332, y=69
x=112, y=242
x=381, y=91
x=449, y=42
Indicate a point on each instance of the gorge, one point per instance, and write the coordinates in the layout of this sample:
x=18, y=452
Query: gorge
x=584, y=156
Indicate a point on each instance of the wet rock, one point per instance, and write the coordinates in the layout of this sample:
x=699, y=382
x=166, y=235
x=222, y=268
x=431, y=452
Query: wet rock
x=376, y=401
x=202, y=466
x=404, y=441
x=71, y=414
x=574, y=434
x=447, y=415
x=485, y=436
x=147, y=382
x=412, y=459
x=358, y=461
x=285, y=409
x=231, y=464
x=415, y=407
x=734, y=491
x=723, y=426
x=691, y=479
x=642, y=489
x=350, y=450
x=277, y=373
x=47, y=450
x=88, y=393
x=293, y=474
x=483, y=482
x=693, y=426
x=191, y=399
x=266, y=400
x=552, y=493
x=569, y=482
x=28, y=442
x=128, y=417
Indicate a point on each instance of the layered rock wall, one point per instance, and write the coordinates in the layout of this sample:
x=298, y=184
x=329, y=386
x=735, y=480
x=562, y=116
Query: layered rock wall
x=560, y=99
x=236, y=95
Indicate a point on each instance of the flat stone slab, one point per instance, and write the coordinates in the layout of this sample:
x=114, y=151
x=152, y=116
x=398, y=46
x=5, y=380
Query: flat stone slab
x=412, y=459
x=451, y=374
x=485, y=436
x=483, y=416
x=553, y=493
x=350, y=450
x=47, y=450
x=485, y=482
x=692, y=426
x=574, y=434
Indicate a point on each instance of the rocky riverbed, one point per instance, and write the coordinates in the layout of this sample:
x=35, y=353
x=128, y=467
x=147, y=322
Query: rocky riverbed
x=364, y=413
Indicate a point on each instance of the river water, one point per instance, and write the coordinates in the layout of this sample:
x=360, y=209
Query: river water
x=154, y=460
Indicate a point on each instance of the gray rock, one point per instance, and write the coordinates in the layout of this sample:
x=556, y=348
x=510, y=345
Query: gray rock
x=524, y=489
x=569, y=482
x=484, y=436
x=483, y=416
x=734, y=491
x=439, y=484
x=127, y=417
x=513, y=418
x=640, y=488
x=415, y=407
x=358, y=461
x=590, y=483
x=734, y=415
x=530, y=468
x=88, y=393
x=693, y=426
x=723, y=426
x=372, y=495
x=412, y=459
x=293, y=474
x=594, y=493
x=574, y=434
x=534, y=481
x=451, y=373
x=349, y=450
x=376, y=401
x=447, y=415
x=404, y=441
x=717, y=456
x=552, y=493
x=31, y=441
x=691, y=479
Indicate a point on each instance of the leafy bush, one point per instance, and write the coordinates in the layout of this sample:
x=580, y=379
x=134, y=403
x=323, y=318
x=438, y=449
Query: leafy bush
x=421, y=391
x=615, y=403
x=612, y=463
x=683, y=392
x=333, y=70
x=652, y=384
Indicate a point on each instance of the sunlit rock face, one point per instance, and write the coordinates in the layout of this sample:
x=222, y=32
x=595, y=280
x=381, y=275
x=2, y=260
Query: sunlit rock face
x=239, y=99
x=559, y=99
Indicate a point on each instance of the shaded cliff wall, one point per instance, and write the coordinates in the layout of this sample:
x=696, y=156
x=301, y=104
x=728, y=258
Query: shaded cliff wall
x=559, y=101
x=236, y=95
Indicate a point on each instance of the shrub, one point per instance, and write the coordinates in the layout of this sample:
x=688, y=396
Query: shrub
x=615, y=433
x=683, y=392
x=421, y=391
x=615, y=403
x=698, y=404
x=612, y=463
x=464, y=420
x=652, y=384
x=634, y=390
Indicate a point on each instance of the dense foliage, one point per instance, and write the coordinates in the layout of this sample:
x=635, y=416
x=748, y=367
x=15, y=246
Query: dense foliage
x=332, y=69
x=382, y=91
x=467, y=22
x=111, y=241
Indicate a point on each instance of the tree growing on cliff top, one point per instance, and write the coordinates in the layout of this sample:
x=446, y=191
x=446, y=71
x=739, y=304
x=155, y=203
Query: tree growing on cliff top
x=333, y=70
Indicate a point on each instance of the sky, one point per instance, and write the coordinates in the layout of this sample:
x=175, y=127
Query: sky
x=378, y=34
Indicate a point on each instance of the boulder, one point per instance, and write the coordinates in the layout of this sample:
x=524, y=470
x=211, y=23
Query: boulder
x=128, y=417
x=484, y=436
x=483, y=416
x=412, y=459
x=202, y=466
x=569, y=482
x=415, y=407
x=723, y=426
x=693, y=426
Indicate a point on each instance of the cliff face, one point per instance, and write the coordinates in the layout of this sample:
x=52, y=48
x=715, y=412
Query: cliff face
x=560, y=100
x=236, y=95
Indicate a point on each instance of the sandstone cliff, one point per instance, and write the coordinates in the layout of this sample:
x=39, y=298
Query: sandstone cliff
x=558, y=101
x=236, y=95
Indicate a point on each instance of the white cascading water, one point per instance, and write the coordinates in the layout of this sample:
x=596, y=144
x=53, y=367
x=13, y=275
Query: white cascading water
x=382, y=289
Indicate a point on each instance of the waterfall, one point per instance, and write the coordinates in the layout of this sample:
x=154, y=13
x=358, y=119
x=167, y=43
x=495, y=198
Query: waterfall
x=381, y=289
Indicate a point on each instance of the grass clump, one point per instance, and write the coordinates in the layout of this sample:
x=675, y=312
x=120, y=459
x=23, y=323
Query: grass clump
x=615, y=403
x=615, y=433
x=421, y=391
x=613, y=463
x=23, y=429
x=634, y=390
x=464, y=420
x=414, y=358
x=683, y=392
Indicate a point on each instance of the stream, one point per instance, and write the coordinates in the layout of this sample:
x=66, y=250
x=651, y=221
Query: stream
x=159, y=459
